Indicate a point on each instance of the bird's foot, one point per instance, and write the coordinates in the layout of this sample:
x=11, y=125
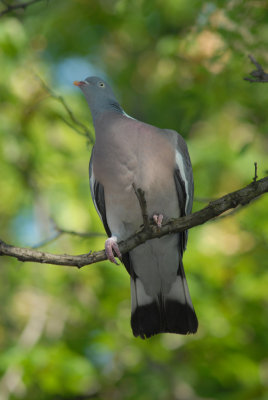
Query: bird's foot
x=158, y=219
x=111, y=246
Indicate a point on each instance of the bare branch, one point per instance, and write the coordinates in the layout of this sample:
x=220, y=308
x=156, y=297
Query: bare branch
x=143, y=205
x=12, y=7
x=75, y=124
x=258, y=74
x=255, y=173
x=81, y=234
x=59, y=232
x=215, y=208
x=44, y=242
x=203, y=199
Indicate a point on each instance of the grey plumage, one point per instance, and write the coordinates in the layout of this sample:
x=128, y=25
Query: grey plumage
x=128, y=151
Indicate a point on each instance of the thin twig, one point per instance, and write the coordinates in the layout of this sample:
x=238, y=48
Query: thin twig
x=215, y=208
x=259, y=74
x=82, y=133
x=46, y=241
x=82, y=234
x=203, y=199
x=59, y=232
x=255, y=173
x=75, y=122
x=13, y=7
x=88, y=396
x=143, y=205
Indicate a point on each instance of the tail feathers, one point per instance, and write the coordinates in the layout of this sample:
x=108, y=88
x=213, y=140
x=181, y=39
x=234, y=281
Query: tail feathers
x=172, y=312
x=181, y=318
x=146, y=320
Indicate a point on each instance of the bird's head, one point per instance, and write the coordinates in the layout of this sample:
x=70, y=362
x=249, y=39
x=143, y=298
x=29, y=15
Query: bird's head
x=98, y=94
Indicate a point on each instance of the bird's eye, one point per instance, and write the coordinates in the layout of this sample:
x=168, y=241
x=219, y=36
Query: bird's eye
x=101, y=84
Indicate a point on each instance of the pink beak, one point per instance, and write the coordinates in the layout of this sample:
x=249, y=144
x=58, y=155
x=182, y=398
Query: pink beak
x=79, y=83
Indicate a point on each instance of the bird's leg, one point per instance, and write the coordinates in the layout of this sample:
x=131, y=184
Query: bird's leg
x=158, y=219
x=110, y=247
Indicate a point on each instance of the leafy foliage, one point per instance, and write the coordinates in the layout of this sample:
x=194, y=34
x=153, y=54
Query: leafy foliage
x=175, y=64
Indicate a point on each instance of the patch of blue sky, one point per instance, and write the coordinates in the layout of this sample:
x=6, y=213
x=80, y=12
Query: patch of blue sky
x=74, y=69
x=25, y=229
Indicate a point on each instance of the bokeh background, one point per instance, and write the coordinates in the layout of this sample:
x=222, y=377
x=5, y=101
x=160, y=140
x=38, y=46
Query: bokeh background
x=65, y=333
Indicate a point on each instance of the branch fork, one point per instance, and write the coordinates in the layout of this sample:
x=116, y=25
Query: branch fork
x=210, y=212
x=259, y=75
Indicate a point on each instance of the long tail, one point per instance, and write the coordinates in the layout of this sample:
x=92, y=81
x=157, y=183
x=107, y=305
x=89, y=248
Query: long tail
x=170, y=312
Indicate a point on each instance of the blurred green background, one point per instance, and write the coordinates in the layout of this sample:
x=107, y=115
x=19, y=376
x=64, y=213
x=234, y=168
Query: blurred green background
x=176, y=64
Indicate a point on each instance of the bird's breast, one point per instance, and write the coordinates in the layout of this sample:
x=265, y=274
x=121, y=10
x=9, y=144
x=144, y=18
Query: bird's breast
x=131, y=155
x=115, y=166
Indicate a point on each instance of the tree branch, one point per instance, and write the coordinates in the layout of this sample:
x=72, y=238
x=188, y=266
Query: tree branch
x=258, y=74
x=215, y=208
x=16, y=6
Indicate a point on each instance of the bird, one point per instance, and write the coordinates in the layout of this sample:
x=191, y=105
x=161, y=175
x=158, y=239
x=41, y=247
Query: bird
x=129, y=153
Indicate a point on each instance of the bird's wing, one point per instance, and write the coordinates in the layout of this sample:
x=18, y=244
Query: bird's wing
x=183, y=176
x=160, y=296
x=97, y=194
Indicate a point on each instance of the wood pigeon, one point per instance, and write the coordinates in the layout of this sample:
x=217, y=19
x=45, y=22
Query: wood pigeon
x=127, y=152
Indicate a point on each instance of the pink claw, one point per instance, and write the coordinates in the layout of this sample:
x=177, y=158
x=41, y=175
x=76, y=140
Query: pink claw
x=158, y=219
x=110, y=246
